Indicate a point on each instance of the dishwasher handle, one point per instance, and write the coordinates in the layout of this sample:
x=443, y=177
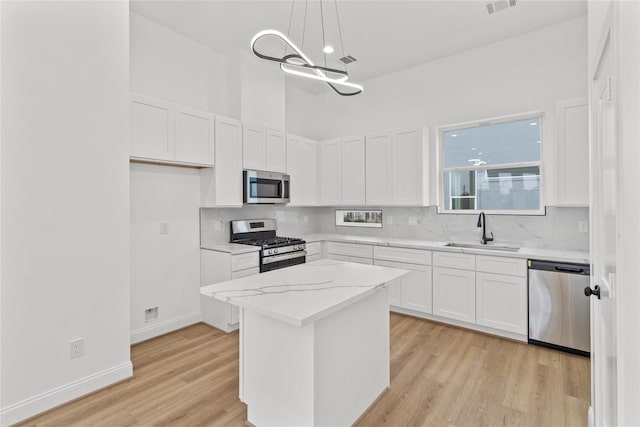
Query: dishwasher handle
x=574, y=270
x=560, y=267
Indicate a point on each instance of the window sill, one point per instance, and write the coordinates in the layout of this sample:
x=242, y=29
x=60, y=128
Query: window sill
x=540, y=212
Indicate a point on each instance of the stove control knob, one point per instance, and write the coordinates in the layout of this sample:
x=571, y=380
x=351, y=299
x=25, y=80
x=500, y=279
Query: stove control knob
x=275, y=251
x=270, y=251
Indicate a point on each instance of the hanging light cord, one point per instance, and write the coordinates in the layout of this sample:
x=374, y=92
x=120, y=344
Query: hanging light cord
x=335, y=2
x=324, y=55
x=304, y=26
x=286, y=46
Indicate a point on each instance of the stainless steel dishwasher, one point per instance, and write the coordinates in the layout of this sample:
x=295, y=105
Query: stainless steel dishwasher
x=558, y=310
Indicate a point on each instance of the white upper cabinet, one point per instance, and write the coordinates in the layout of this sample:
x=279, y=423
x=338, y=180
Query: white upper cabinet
x=330, y=172
x=379, y=167
x=222, y=185
x=397, y=168
x=152, y=128
x=276, y=151
x=263, y=149
x=169, y=133
x=302, y=161
x=194, y=136
x=572, y=152
x=410, y=167
x=353, y=170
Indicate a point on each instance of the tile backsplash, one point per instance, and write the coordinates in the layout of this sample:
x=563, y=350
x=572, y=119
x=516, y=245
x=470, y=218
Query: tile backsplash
x=558, y=229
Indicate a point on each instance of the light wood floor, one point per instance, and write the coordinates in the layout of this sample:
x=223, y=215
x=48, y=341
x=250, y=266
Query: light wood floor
x=440, y=376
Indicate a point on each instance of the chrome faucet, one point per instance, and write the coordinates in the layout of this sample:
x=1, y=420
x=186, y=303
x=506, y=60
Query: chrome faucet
x=482, y=222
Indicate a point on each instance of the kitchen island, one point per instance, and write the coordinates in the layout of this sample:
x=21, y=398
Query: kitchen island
x=314, y=341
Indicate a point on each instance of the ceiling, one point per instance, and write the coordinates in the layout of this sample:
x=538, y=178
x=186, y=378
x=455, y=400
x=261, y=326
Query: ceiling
x=384, y=36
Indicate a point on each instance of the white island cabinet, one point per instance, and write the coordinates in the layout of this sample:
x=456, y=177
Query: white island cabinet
x=314, y=341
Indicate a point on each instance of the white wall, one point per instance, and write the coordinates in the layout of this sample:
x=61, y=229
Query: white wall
x=165, y=268
x=524, y=73
x=169, y=66
x=65, y=201
x=262, y=92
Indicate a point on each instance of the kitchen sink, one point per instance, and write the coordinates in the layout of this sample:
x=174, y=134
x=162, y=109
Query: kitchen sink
x=485, y=247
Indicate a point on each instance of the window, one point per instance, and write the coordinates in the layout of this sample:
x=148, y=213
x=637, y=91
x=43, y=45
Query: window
x=492, y=166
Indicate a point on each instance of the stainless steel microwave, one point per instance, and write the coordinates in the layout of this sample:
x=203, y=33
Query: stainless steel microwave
x=265, y=187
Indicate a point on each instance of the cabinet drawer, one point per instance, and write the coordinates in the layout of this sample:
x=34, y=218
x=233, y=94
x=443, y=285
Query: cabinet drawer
x=244, y=273
x=346, y=258
x=501, y=265
x=454, y=260
x=245, y=261
x=350, y=249
x=404, y=255
x=313, y=249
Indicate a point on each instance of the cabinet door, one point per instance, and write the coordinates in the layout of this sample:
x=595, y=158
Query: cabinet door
x=454, y=294
x=501, y=302
x=309, y=173
x=295, y=170
x=353, y=171
x=572, y=152
x=407, y=167
x=222, y=185
x=415, y=289
x=194, y=136
x=276, y=151
x=330, y=176
x=379, y=168
x=152, y=128
x=253, y=147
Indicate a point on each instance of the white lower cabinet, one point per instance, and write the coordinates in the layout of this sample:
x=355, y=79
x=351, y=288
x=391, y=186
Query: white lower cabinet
x=412, y=291
x=346, y=251
x=217, y=266
x=501, y=302
x=454, y=294
x=314, y=251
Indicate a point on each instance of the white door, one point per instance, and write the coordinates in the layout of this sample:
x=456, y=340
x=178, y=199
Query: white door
x=294, y=169
x=194, y=136
x=330, y=174
x=454, y=294
x=604, y=157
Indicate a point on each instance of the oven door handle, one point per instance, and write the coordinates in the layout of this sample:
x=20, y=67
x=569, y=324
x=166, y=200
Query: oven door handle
x=283, y=257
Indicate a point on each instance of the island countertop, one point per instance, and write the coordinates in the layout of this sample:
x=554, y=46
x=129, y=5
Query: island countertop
x=302, y=294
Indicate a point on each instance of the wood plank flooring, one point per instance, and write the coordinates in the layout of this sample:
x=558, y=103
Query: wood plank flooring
x=440, y=376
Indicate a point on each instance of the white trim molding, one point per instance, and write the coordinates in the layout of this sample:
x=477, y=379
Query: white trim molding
x=50, y=399
x=160, y=328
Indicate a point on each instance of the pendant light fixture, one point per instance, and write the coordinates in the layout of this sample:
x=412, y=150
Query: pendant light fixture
x=295, y=62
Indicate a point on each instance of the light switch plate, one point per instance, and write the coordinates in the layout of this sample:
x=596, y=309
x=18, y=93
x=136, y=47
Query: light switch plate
x=583, y=226
x=217, y=225
x=389, y=219
x=413, y=220
x=164, y=228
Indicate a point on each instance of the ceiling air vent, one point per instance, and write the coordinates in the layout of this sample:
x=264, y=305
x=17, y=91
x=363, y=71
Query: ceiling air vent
x=348, y=59
x=498, y=5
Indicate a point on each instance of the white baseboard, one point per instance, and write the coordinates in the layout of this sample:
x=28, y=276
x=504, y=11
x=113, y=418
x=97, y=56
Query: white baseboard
x=164, y=327
x=34, y=405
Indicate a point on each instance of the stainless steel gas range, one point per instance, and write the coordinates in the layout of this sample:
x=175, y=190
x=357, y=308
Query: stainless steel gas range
x=276, y=252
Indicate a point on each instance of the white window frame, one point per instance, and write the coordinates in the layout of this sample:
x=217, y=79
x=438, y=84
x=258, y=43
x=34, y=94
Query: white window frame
x=477, y=123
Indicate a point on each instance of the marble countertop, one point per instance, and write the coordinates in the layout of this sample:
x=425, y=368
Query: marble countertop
x=547, y=254
x=232, y=248
x=558, y=255
x=305, y=293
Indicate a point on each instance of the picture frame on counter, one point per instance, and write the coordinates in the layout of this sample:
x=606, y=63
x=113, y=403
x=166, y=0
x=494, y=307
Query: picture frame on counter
x=359, y=218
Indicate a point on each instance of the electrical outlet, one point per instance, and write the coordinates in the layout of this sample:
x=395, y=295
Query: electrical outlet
x=413, y=220
x=151, y=314
x=217, y=225
x=389, y=219
x=583, y=226
x=305, y=219
x=76, y=348
x=164, y=228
